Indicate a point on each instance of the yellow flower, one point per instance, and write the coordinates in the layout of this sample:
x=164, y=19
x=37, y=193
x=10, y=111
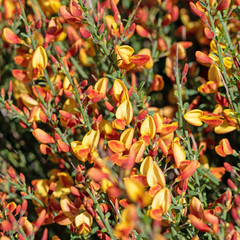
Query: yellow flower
x=86, y=149
x=145, y=165
x=148, y=127
x=135, y=189
x=162, y=200
x=101, y=86
x=71, y=213
x=91, y=139
x=124, y=53
x=155, y=175
x=39, y=59
x=120, y=91
x=194, y=117
x=125, y=111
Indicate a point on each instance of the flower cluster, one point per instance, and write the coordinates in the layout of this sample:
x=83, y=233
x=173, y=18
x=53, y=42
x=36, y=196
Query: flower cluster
x=134, y=109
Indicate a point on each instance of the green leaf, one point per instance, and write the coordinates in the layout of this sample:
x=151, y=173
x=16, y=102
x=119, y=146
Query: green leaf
x=24, y=35
x=94, y=230
x=189, y=232
x=141, y=85
x=148, y=99
x=173, y=199
x=168, y=235
x=193, y=193
x=203, y=4
x=222, y=94
x=185, y=105
x=179, y=134
x=107, y=215
x=226, y=49
x=178, y=207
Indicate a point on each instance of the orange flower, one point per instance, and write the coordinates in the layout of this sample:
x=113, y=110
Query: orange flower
x=158, y=120
x=127, y=61
x=208, y=87
x=116, y=146
x=214, y=74
x=124, y=53
x=42, y=136
x=194, y=117
x=227, y=61
x=91, y=139
x=199, y=224
x=196, y=208
x=187, y=169
x=224, y=148
x=145, y=165
x=86, y=149
x=10, y=37
x=229, y=123
x=137, y=150
x=147, y=52
x=158, y=83
x=50, y=7
x=71, y=213
x=203, y=58
x=127, y=223
x=127, y=137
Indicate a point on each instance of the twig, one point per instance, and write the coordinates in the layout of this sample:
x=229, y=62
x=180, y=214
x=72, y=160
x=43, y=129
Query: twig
x=101, y=214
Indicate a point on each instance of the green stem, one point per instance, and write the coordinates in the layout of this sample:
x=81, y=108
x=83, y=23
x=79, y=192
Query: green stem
x=219, y=50
x=226, y=33
x=49, y=82
x=97, y=39
x=179, y=92
x=24, y=17
x=40, y=11
x=62, y=136
x=101, y=214
x=182, y=124
x=76, y=94
x=136, y=96
x=154, y=50
x=78, y=68
x=19, y=116
x=129, y=22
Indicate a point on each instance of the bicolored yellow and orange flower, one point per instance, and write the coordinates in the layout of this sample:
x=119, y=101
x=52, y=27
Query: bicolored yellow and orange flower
x=50, y=7
x=62, y=183
x=124, y=115
x=127, y=61
x=160, y=204
x=128, y=222
x=224, y=148
x=74, y=212
x=39, y=60
x=222, y=124
x=10, y=37
x=85, y=150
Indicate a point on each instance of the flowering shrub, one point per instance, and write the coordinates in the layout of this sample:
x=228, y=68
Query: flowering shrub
x=120, y=119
